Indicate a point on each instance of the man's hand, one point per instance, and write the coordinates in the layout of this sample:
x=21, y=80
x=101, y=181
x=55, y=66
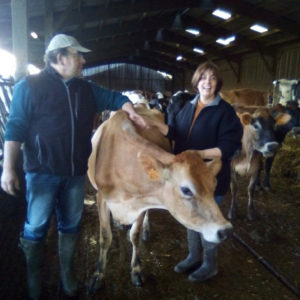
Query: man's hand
x=138, y=120
x=135, y=117
x=10, y=182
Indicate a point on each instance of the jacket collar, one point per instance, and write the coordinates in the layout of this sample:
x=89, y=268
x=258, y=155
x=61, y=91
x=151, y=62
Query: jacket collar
x=215, y=101
x=55, y=74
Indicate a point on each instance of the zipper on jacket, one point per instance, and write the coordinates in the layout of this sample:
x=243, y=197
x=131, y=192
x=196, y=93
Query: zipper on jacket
x=76, y=106
x=72, y=129
x=38, y=145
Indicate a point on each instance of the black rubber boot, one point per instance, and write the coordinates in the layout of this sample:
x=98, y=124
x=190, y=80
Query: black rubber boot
x=66, y=247
x=34, y=254
x=194, y=257
x=209, y=267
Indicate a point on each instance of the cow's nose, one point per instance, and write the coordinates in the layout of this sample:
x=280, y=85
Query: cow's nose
x=272, y=146
x=223, y=234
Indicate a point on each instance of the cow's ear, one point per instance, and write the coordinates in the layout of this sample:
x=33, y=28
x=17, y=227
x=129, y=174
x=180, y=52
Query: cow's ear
x=282, y=119
x=153, y=168
x=214, y=166
x=245, y=118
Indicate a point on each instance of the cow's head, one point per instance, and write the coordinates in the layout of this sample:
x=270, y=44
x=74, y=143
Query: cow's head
x=175, y=104
x=259, y=129
x=188, y=185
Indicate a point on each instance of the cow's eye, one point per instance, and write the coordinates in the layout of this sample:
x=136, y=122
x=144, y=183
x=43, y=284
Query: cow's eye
x=186, y=192
x=256, y=126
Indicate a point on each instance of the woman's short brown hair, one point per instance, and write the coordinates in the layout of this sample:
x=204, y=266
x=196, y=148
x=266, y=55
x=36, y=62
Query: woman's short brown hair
x=200, y=71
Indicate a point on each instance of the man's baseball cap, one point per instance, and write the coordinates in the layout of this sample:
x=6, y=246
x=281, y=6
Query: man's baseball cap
x=62, y=41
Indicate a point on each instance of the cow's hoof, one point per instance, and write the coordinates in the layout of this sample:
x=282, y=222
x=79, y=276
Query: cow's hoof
x=136, y=279
x=258, y=188
x=251, y=216
x=95, y=284
x=231, y=215
x=267, y=188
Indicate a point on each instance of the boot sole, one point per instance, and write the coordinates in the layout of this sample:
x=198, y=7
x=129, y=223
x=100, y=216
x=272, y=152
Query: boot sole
x=189, y=269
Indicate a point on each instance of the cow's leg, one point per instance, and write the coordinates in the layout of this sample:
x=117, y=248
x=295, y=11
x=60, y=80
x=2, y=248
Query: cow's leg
x=135, y=230
x=268, y=166
x=258, y=185
x=233, y=187
x=251, y=188
x=146, y=227
x=104, y=243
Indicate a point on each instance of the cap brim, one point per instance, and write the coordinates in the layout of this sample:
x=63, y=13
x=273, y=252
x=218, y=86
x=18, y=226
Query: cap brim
x=81, y=49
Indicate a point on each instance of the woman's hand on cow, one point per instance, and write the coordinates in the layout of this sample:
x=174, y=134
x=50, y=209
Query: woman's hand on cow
x=162, y=127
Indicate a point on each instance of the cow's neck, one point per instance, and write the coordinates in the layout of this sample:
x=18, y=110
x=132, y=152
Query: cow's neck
x=248, y=149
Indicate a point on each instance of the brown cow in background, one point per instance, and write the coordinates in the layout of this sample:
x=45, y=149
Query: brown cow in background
x=258, y=141
x=246, y=97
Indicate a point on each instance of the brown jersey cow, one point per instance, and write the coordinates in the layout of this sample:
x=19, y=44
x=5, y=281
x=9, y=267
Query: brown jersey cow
x=258, y=141
x=133, y=171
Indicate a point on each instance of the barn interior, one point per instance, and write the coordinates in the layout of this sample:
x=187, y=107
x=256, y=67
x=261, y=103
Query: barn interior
x=155, y=46
x=168, y=36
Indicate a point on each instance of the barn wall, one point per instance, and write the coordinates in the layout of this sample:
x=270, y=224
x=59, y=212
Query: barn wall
x=124, y=77
x=288, y=66
x=254, y=73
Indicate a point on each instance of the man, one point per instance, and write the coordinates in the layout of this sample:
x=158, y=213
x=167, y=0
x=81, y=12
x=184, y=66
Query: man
x=52, y=115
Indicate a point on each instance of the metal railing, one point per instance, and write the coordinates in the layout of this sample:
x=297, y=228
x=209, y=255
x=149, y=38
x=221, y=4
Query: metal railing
x=6, y=90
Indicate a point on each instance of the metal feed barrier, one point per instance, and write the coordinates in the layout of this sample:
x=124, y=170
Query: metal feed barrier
x=6, y=89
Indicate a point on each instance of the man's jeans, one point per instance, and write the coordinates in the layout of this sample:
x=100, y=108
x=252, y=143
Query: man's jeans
x=48, y=193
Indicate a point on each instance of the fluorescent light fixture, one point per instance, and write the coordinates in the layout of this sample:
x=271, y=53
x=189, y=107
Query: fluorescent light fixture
x=226, y=41
x=193, y=31
x=179, y=58
x=198, y=50
x=225, y=15
x=34, y=35
x=259, y=28
x=165, y=75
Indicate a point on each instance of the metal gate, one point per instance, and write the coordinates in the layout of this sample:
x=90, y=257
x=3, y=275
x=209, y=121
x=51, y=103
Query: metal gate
x=6, y=89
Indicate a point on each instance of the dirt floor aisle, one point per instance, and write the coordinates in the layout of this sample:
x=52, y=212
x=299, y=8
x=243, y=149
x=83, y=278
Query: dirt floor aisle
x=274, y=235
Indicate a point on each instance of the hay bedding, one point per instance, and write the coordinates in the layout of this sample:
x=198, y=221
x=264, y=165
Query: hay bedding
x=287, y=160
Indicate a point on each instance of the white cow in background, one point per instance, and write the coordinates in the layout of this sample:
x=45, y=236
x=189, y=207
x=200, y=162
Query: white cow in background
x=136, y=97
x=286, y=90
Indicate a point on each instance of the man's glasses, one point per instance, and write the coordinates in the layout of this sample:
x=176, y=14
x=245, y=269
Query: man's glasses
x=76, y=54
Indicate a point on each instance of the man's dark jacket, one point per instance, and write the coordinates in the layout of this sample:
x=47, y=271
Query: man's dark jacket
x=54, y=118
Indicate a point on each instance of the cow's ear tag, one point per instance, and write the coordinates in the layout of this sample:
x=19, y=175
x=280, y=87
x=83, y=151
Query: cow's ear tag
x=153, y=174
x=150, y=165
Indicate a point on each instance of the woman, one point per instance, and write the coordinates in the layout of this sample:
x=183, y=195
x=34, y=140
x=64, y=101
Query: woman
x=209, y=124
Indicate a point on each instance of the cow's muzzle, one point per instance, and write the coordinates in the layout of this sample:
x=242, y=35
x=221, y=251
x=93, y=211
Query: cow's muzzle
x=269, y=149
x=223, y=234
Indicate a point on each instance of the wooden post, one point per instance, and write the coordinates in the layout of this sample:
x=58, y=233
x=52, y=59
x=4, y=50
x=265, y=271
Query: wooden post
x=19, y=36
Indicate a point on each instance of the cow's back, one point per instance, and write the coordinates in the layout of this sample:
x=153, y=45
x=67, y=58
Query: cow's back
x=245, y=96
x=114, y=156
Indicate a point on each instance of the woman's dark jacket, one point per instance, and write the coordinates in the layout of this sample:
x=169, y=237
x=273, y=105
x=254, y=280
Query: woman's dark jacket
x=217, y=125
x=54, y=119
